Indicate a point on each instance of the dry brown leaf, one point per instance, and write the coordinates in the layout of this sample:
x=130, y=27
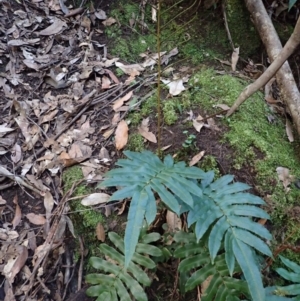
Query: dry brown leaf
x=222, y=106
x=144, y=131
x=95, y=199
x=48, y=204
x=100, y=232
x=198, y=125
x=14, y=265
x=36, y=219
x=196, y=158
x=235, y=58
x=284, y=176
x=54, y=28
x=16, y=153
x=289, y=130
x=109, y=21
x=118, y=103
x=121, y=135
x=18, y=214
x=173, y=221
x=108, y=133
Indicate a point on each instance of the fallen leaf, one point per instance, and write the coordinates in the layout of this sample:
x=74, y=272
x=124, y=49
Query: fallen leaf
x=16, y=153
x=100, y=232
x=18, y=214
x=54, y=28
x=198, y=125
x=173, y=221
x=222, y=106
x=118, y=103
x=121, y=135
x=95, y=199
x=36, y=219
x=196, y=158
x=235, y=58
x=284, y=176
x=289, y=130
x=109, y=21
x=175, y=86
x=48, y=204
x=144, y=131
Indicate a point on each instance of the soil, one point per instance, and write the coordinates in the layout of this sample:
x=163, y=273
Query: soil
x=30, y=202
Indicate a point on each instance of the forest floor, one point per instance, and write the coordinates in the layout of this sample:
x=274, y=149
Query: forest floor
x=77, y=90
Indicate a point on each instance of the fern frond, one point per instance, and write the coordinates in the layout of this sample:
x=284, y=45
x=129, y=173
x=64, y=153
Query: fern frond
x=142, y=174
x=226, y=213
x=118, y=281
x=222, y=287
x=292, y=275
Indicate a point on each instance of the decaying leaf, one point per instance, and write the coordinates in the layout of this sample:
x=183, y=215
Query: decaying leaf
x=198, y=125
x=235, y=58
x=173, y=221
x=100, y=232
x=118, y=103
x=36, y=219
x=196, y=158
x=144, y=131
x=175, y=86
x=289, y=130
x=284, y=176
x=121, y=135
x=95, y=199
x=18, y=214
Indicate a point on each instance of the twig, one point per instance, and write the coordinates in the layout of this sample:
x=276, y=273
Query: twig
x=80, y=270
x=226, y=25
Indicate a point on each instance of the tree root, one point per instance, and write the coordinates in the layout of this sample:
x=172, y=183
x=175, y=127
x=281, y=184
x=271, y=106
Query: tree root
x=288, y=88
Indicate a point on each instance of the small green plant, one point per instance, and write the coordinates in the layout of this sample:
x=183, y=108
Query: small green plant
x=223, y=243
x=190, y=141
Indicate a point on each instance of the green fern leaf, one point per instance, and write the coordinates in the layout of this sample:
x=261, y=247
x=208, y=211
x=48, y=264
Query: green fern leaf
x=292, y=276
x=136, y=215
x=116, y=281
x=226, y=214
x=246, y=259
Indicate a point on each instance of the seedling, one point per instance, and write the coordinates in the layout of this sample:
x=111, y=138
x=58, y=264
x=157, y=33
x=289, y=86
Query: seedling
x=190, y=141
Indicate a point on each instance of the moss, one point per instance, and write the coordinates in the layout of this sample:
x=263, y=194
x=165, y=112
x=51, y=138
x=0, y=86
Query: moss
x=208, y=163
x=169, y=111
x=135, y=142
x=84, y=219
x=241, y=28
x=259, y=145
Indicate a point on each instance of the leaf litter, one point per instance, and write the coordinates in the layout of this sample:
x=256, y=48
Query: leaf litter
x=64, y=105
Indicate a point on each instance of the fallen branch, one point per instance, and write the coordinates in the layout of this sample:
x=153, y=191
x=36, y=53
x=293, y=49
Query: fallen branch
x=289, y=91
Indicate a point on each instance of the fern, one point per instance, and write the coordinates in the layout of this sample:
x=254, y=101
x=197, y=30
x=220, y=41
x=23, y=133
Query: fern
x=142, y=174
x=221, y=209
x=116, y=281
x=222, y=286
x=226, y=211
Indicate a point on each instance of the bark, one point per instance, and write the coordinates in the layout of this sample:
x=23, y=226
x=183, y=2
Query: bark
x=278, y=56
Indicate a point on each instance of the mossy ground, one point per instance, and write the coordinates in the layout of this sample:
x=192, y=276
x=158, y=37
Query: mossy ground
x=257, y=144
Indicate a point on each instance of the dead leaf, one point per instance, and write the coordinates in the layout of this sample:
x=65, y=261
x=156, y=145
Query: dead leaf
x=100, y=232
x=108, y=133
x=284, y=176
x=222, y=106
x=198, y=125
x=118, y=103
x=289, y=130
x=95, y=199
x=121, y=135
x=16, y=153
x=109, y=21
x=175, y=86
x=173, y=221
x=18, y=214
x=54, y=28
x=36, y=219
x=48, y=204
x=196, y=158
x=235, y=58
x=144, y=131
